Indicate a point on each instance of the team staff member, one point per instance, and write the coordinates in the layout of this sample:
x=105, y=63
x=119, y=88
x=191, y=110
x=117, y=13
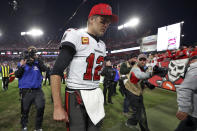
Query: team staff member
x=187, y=99
x=5, y=71
x=135, y=94
x=82, y=53
x=47, y=75
x=29, y=73
x=109, y=75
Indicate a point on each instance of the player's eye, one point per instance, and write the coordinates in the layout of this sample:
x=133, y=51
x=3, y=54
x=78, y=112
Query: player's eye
x=102, y=21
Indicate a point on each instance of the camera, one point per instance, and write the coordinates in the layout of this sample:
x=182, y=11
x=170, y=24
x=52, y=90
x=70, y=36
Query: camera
x=29, y=56
x=160, y=71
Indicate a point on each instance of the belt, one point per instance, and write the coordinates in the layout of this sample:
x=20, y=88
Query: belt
x=26, y=89
x=69, y=89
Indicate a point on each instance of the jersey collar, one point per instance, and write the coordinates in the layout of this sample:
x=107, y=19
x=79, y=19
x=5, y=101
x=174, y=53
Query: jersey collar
x=96, y=38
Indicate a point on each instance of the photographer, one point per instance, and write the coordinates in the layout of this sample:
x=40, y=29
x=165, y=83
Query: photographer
x=29, y=74
x=134, y=94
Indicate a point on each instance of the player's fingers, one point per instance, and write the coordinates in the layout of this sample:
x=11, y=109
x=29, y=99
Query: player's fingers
x=66, y=118
x=184, y=117
x=178, y=115
x=58, y=118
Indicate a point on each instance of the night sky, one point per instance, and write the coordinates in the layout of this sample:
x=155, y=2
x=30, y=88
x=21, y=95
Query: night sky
x=52, y=15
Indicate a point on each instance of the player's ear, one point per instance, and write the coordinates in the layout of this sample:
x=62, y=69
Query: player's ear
x=90, y=20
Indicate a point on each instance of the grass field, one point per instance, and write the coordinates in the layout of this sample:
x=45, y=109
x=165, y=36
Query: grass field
x=160, y=105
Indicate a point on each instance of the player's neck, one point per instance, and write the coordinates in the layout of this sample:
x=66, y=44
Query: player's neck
x=93, y=36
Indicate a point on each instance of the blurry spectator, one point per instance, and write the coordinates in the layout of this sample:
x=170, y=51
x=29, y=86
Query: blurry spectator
x=47, y=75
x=160, y=57
x=5, y=71
x=124, y=72
x=193, y=51
x=187, y=99
x=63, y=78
x=117, y=77
x=109, y=75
x=182, y=53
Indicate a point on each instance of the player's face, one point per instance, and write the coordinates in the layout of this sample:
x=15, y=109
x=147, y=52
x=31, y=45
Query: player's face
x=100, y=24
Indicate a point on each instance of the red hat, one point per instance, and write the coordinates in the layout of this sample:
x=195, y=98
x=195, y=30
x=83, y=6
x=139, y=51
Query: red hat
x=103, y=9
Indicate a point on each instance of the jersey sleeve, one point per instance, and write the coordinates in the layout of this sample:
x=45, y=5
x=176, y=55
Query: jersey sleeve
x=104, y=52
x=104, y=49
x=70, y=38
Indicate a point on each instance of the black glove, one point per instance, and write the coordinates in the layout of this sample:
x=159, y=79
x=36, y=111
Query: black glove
x=19, y=73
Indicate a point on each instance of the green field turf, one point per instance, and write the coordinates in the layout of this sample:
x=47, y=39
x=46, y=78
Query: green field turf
x=160, y=105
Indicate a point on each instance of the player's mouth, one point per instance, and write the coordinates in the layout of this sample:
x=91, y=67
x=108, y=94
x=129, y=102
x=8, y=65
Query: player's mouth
x=103, y=30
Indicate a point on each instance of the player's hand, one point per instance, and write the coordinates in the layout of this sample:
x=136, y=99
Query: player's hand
x=60, y=114
x=23, y=62
x=181, y=115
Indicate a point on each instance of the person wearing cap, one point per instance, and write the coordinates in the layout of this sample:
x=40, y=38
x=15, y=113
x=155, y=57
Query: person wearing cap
x=135, y=94
x=187, y=99
x=82, y=54
x=29, y=74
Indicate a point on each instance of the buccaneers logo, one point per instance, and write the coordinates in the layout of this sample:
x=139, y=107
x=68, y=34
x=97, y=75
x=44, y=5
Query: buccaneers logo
x=174, y=77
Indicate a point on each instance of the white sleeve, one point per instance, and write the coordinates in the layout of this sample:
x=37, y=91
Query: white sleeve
x=185, y=92
x=104, y=52
x=140, y=75
x=71, y=36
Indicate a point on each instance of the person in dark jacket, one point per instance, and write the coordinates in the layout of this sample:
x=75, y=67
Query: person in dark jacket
x=109, y=75
x=63, y=79
x=29, y=74
x=47, y=76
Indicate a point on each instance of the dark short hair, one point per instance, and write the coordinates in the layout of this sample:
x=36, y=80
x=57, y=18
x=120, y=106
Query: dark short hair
x=107, y=58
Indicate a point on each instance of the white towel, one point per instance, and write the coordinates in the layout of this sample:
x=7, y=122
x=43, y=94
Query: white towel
x=94, y=104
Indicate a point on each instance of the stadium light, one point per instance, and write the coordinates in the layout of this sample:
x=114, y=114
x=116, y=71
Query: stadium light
x=125, y=50
x=132, y=23
x=33, y=32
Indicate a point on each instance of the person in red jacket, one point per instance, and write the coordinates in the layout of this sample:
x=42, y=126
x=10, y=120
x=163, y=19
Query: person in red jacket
x=182, y=53
x=193, y=52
